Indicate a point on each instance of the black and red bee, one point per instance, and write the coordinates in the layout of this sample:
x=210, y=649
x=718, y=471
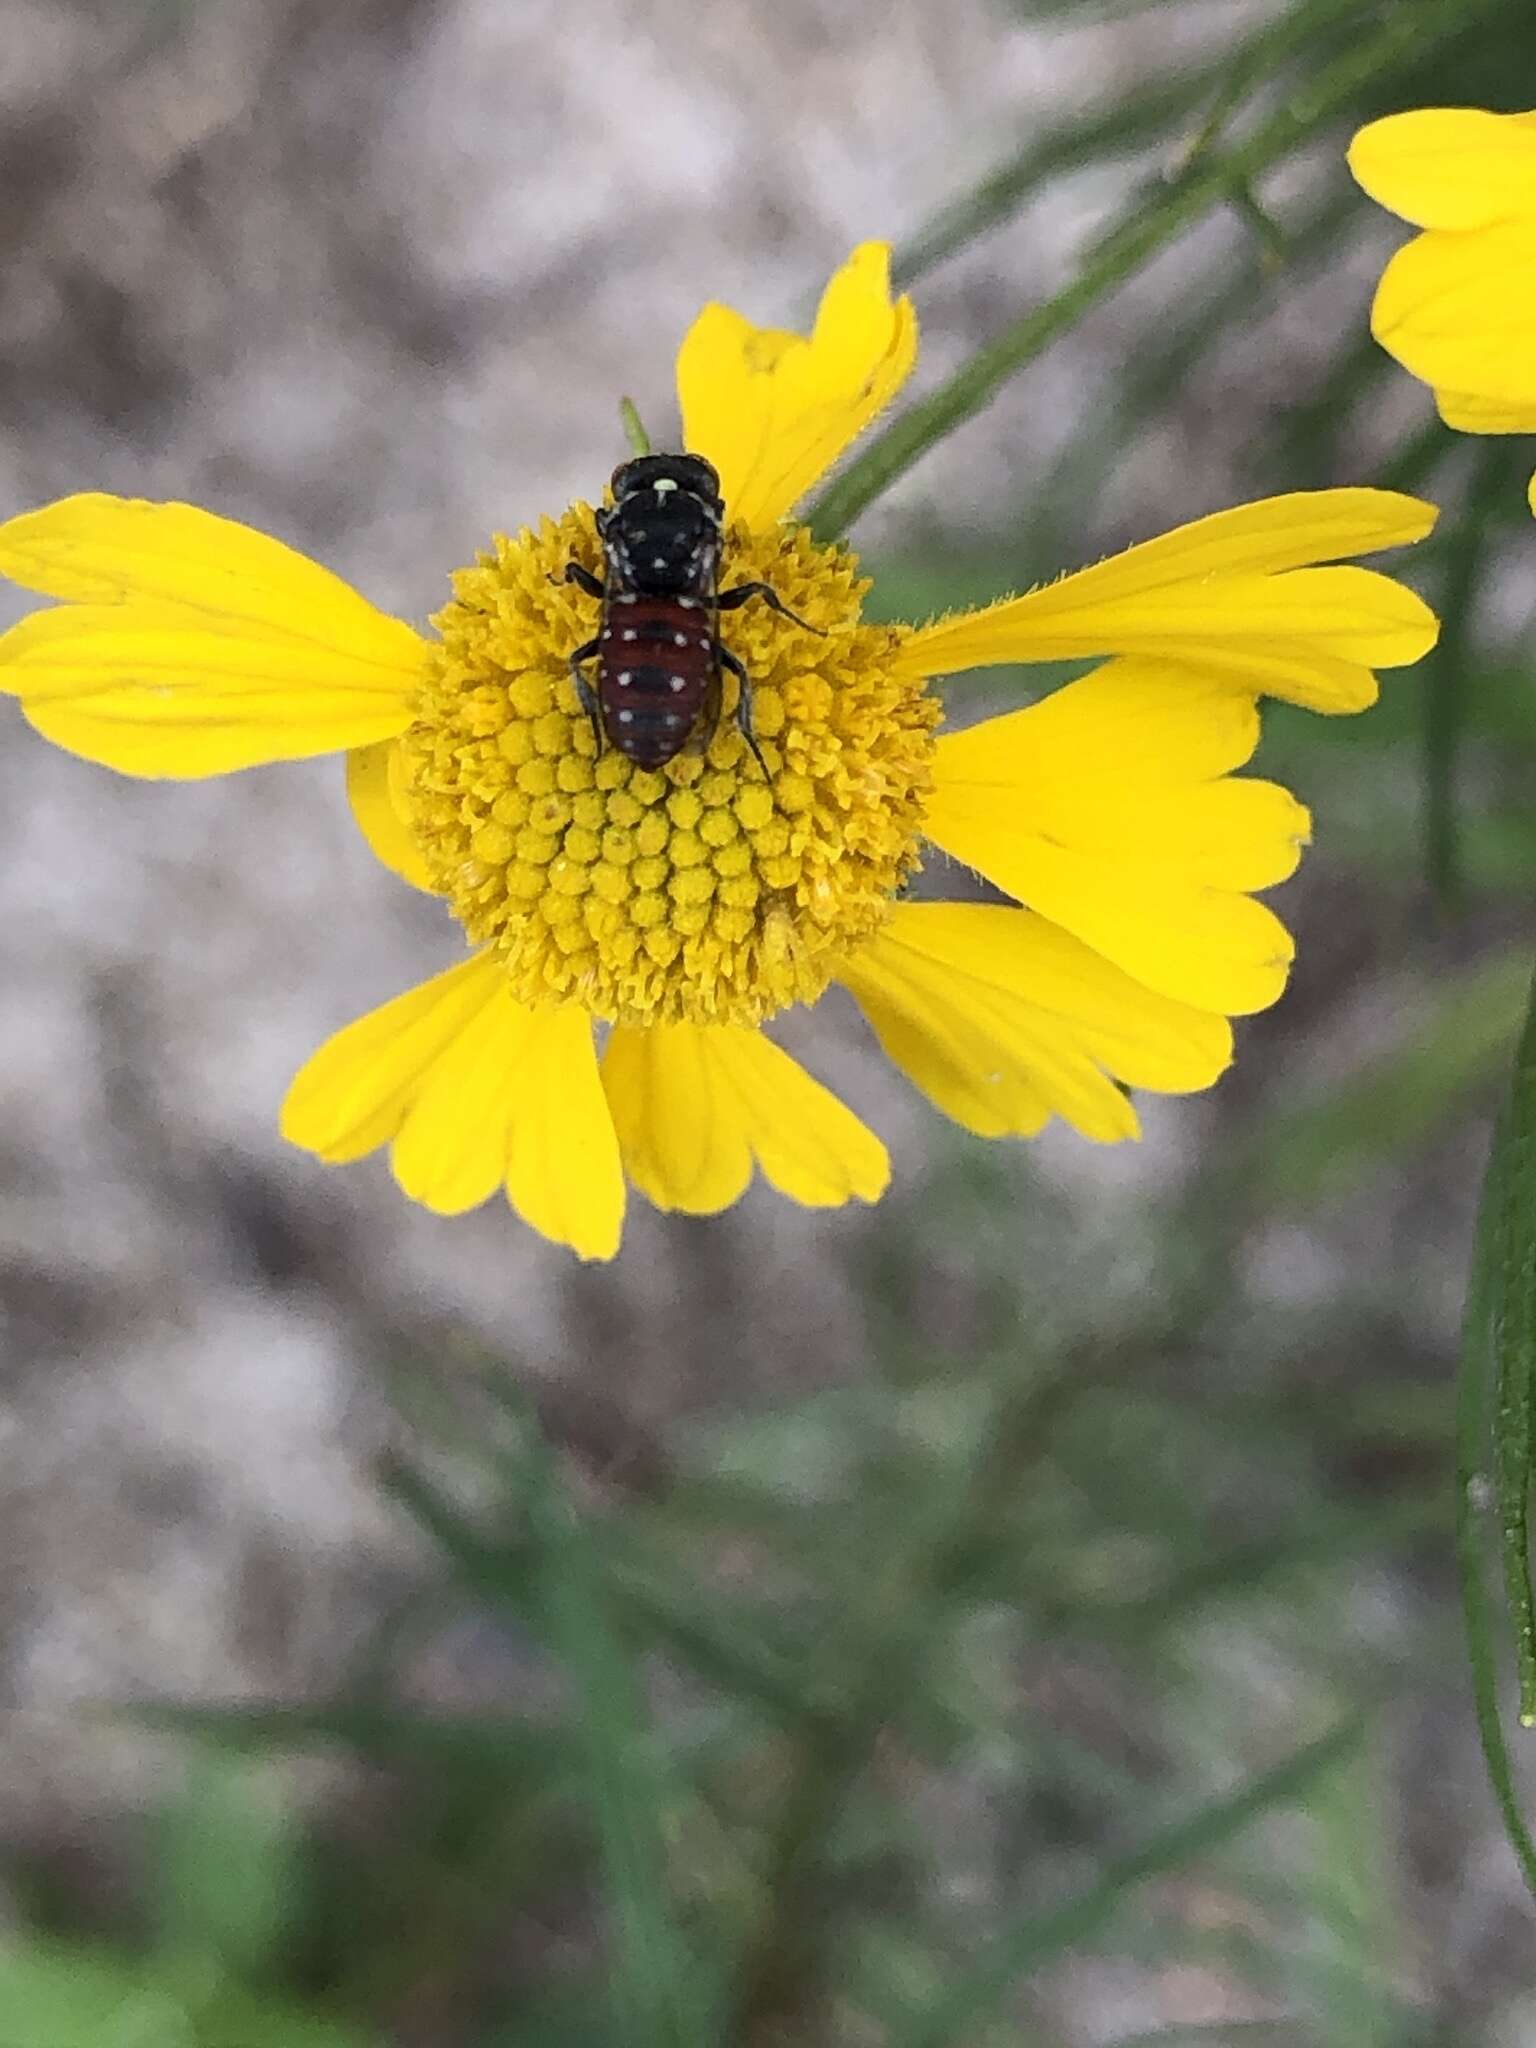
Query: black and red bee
x=657, y=648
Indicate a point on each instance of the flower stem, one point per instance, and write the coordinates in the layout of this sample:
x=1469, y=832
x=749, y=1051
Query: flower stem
x=634, y=427
x=1493, y=1427
x=1147, y=230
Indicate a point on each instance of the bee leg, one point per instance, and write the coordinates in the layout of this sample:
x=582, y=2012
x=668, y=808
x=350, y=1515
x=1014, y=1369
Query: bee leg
x=585, y=694
x=733, y=600
x=582, y=578
x=743, y=704
x=709, y=718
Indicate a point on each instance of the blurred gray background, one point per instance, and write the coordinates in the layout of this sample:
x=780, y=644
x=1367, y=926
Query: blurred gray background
x=372, y=276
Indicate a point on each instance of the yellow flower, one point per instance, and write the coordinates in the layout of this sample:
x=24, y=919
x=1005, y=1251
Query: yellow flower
x=1457, y=304
x=670, y=913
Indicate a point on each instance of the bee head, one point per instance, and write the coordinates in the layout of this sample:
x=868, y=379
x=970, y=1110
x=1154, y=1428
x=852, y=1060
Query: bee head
x=662, y=533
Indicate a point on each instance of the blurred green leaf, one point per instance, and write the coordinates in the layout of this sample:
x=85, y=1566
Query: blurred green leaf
x=1347, y=1884
x=1217, y=2034
x=227, y=1868
x=1494, y=1410
x=54, y=1995
x=488, y=1745
x=654, y=1977
x=568, y=2016
x=1037, y=1939
x=756, y=1659
x=1129, y=123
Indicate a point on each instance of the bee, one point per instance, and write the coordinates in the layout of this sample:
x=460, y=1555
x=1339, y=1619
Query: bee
x=658, y=655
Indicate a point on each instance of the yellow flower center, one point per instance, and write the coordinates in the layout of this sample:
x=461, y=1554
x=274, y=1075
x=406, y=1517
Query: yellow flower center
x=700, y=890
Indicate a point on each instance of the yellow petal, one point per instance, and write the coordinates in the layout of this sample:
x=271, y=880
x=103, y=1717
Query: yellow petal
x=670, y=1132
x=696, y=1104
x=1316, y=681
x=95, y=549
x=1130, y=723
x=155, y=691
x=1229, y=591
x=1103, y=808
x=475, y=1091
x=1470, y=414
x=1459, y=310
x=380, y=806
x=450, y=1150
x=564, y=1175
x=190, y=645
x=1003, y=1021
x=353, y=1094
x=1449, y=167
x=774, y=411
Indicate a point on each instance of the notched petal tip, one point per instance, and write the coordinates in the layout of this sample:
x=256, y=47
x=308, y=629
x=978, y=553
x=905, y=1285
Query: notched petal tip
x=54, y=548
x=188, y=645
x=774, y=411
x=149, y=689
x=1108, y=808
x=1259, y=591
x=93, y=548
x=1004, y=1021
x=698, y=1106
x=472, y=1092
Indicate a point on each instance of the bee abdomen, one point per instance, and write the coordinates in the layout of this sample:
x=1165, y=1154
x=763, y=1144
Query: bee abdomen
x=656, y=662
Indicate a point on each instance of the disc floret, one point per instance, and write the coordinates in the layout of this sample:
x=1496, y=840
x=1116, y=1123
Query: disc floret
x=698, y=891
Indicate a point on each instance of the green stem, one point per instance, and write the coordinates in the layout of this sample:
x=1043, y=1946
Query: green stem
x=1210, y=308
x=1257, y=61
x=634, y=428
x=1100, y=134
x=973, y=386
x=1118, y=130
x=1491, y=1398
x=1512, y=1330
